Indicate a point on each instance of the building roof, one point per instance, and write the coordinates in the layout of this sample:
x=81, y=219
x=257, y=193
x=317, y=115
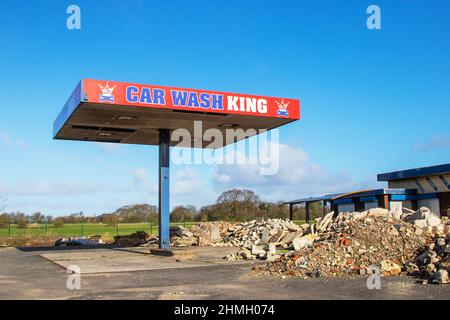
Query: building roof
x=363, y=193
x=327, y=197
x=121, y=112
x=414, y=173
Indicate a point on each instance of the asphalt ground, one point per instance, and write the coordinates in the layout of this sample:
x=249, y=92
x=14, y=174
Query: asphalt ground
x=118, y=274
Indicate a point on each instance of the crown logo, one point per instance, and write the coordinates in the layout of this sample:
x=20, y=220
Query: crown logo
x=282, y=108
x=107, y=93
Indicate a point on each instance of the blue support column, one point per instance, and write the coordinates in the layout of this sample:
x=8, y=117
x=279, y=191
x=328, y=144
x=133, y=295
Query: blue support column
x=164, y=206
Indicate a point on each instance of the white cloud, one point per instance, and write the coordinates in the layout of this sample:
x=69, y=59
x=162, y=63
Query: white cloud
x=434, y=143
x=222, y=178
x=191, y=188
x=108, y=147
x=57, y=198
x=297, y=177
x=187, y=181
x=5, y=139
x=53, y=188
x=140, y=176
x=22, y=143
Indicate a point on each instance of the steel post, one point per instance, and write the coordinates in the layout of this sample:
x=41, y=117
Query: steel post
x=163, y=207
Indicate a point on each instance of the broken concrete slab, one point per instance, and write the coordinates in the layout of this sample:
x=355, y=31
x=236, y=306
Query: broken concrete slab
x=389, y=268
x=265, y=235
x=303, y=242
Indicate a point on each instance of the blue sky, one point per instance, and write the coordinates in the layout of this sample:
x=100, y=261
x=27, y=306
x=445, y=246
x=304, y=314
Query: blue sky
x=372, y=100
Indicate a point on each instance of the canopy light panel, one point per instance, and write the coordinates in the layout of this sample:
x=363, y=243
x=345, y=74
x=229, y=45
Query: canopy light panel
x=121, y=112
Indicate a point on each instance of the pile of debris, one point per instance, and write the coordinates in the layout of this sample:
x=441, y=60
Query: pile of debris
x=132, y=240
x=79, y=241
x=259, y=239
x=352, y=246
x=376, y=240
x=202, y=234
x=432, y=265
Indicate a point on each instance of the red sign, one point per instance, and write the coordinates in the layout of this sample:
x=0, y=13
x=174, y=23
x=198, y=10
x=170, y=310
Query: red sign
x=152, y=96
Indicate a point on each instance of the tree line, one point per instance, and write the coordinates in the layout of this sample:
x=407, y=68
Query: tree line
x=231, y=205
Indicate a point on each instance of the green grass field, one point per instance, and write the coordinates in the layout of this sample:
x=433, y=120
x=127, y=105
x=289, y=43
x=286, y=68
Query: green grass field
x=87, y=229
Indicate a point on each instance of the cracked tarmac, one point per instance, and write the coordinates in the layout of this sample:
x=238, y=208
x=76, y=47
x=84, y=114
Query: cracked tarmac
x=132, y=274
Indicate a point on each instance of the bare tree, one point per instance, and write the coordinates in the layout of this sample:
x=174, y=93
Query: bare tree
x=237, y=203
x=37, y=217
x=181, y=213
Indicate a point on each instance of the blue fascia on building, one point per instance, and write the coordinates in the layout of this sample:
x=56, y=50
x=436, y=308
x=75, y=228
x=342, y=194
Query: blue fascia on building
x=395, y=194
x=414, y=173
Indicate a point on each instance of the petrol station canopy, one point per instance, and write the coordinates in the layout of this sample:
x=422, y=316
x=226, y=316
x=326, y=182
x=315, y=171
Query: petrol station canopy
x=121, y=112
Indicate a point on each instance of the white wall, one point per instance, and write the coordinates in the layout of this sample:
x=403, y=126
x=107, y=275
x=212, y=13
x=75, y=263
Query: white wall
x=394, y=204
x=432, y=204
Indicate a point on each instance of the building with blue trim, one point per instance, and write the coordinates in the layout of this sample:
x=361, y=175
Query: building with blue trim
x=421, y=187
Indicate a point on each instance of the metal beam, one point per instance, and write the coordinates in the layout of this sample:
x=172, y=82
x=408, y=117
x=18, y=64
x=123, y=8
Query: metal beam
x=307, y=211
x=164, y=204
x=291, y=212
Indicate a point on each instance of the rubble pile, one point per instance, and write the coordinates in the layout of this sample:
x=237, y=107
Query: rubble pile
x=182, y=237
x=79, y=241
x=131, y=240
x=353, y=246
x=259, y=239
x=202, y=234
x=376, y=240
x=433, y=264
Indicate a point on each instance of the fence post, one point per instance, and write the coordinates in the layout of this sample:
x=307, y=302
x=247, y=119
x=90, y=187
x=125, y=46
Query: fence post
x=117, y=229
x=151, y=228
x=82, y=229
x=9, y=230
x=46, y=228
x=184, y=223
